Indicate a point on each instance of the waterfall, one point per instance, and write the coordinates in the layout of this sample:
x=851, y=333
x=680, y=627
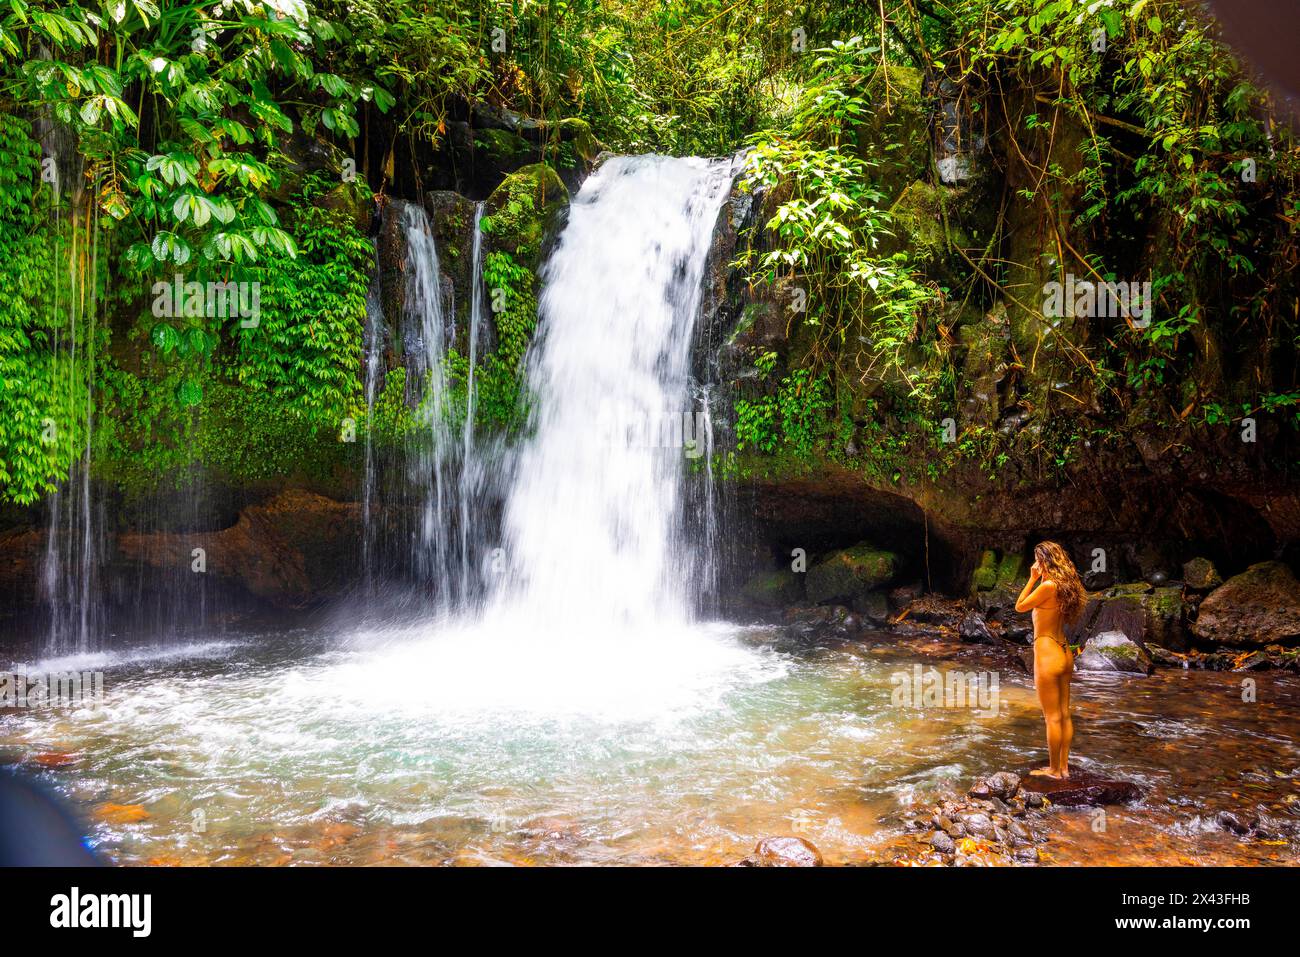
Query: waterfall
x=373, y=352
x=448, y=464
x=473, y=477
x=595, y=531
x=69, y=569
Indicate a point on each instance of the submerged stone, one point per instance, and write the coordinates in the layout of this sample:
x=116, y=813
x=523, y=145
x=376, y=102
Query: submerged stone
x=1114, y=651
x=783, y=852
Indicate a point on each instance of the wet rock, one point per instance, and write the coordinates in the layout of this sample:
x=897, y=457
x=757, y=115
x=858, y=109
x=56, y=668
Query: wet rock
x=942, y=843
x=293, y=551
x=825, y=621
x=1081, y=789
x=933, y=610
x=1231, y=822
x=1027, y=855
x=850, y=573
x=1113, y=651
x=1255, y=661
x=773, y=589
x=1201, y=575
x=872, y=608
x=975, y=629
x=985, y=576
x=1009, y=581
x=783, y=852
x=121, y=813
x=1258, y=607
x=978, y=823
x=903, y=596
x=1000, y=786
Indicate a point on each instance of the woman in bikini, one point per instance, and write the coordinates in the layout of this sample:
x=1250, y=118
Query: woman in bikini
x=1055, y=595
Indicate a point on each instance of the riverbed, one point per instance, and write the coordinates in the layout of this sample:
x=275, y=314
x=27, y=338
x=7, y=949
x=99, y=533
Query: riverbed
x=476, y=743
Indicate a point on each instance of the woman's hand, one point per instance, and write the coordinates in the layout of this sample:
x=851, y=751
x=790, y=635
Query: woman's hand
x=1035, y=572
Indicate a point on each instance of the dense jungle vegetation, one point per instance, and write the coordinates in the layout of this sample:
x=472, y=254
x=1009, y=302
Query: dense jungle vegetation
x=1113, y=141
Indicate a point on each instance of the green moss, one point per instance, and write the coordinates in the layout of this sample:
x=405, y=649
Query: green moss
x=985, y=576
x=503, y=144
x=850, y=573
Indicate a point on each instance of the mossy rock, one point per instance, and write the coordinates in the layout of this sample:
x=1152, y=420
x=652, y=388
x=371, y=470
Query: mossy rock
x=524, y=209
x=1009, y=569
x=898, y=128
x=502, y=145
x=1113, y=651
x=1166, y=617
x=985, y=576
x=774, y=589
x=850, y=574
x=578, y=133
x=1201, y=575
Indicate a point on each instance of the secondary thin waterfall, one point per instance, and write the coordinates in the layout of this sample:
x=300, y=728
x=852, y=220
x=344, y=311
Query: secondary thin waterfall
x=447, y=463
x=594, y=530
x=473, y=477
x=374, y=346
x=70, y=567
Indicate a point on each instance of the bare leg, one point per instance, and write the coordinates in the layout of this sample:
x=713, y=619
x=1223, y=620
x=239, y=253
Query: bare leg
x=1049, y=694
x=1067, y=725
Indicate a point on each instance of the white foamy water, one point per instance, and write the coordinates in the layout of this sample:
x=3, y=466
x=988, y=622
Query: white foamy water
x=592, y=524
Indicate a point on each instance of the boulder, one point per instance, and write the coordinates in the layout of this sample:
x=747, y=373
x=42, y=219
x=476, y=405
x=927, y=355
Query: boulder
x=1201, y=575
x=1260, y=606
x=783, y=852
x=850, y=574
x=873, y=607
x=973, y=628
x=1002, y=786
x=822, y=621
x=1080, y=789
x=775, y=589
x=1113, y=651
x=985, y=576
x=1008, y=580
x=1165, y=617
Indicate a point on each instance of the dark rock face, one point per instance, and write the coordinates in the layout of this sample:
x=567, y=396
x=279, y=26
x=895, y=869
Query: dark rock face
x=1261, y=606
x=295, y=551
x=1113, y=651
x=491, y=143
x=775, y=589
x=783, y=852
x=1081, y=789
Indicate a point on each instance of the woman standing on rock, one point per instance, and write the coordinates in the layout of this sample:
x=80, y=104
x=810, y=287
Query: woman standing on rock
x=1055, y=595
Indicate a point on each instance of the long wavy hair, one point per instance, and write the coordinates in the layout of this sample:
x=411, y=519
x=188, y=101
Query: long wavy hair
x=1057, y=567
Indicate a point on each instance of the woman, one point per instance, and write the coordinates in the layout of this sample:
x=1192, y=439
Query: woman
x=1055, y=595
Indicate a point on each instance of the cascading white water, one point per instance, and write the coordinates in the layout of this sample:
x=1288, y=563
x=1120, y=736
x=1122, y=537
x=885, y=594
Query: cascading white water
x=473, y=476
x=447, y=463
x=593, y=531
x=429, y=462
x=373, y=352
